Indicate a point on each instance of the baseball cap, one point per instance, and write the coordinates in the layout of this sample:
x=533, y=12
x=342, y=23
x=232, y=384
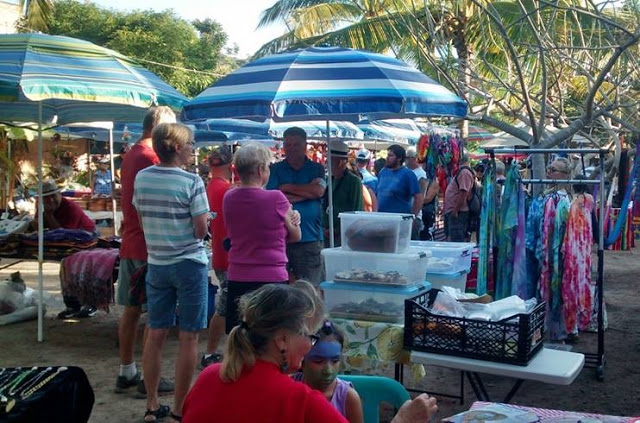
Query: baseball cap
x=220, y=156
x=104, y=160
x=411, y=152
x=339, y=149
x=363, y=154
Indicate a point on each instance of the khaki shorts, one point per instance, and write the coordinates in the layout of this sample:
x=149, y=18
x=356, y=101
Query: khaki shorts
x=127, y=268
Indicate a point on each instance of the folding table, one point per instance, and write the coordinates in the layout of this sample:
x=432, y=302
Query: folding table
x=549, y=366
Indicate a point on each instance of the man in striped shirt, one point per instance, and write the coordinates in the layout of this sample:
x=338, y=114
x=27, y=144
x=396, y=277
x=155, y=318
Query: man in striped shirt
x=173, y=209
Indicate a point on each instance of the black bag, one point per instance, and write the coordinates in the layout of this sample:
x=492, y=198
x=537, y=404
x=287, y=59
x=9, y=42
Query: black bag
x=474, y=201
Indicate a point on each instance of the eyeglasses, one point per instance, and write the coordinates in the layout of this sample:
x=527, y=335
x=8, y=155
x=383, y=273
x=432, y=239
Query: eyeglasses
x=313, y=338
x=555, y=169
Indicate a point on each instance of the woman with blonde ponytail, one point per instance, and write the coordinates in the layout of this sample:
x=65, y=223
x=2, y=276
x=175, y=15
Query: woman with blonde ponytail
x=252, y=384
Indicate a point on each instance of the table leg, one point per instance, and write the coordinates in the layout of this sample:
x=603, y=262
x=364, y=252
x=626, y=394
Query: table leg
x=10, y=264
x=398, y=373
x=461, y=387
x=478, y=386
x=513, y=391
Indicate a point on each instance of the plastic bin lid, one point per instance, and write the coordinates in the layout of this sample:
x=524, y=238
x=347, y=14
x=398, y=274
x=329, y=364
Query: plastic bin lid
x=410, y=254
x=400, y=289
x=451, y=275
x=377, y=215
x=442, y=245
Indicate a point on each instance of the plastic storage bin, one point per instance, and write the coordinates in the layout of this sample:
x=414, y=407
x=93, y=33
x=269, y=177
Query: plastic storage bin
x=454, y=280
x=375, y=232
x=376, y=268
x=514, y=340
x=447, y=257
x=368, y=302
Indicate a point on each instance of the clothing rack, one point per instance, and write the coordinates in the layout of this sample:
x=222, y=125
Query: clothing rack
x=593, y=360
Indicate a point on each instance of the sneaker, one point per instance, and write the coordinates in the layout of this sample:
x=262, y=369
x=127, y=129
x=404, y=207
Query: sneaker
x=87, y=311
x=69, y=312
x=123, y=383
x=165, y=387
x=213, y=358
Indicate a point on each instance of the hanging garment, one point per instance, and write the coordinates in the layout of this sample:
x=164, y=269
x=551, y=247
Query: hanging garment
x=506, y=234
x=544, y=248
x=533, y=242
x=557, y=324
x=576, y=279
x=520, y=285
x=485, y=241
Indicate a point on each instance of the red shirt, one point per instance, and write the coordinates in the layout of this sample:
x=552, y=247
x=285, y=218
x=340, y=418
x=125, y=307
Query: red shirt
x=262, y=394
x=139, y=157
x=70, y=216
x=215, y=192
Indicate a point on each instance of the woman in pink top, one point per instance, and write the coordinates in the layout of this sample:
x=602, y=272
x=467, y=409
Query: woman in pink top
x=259, y=224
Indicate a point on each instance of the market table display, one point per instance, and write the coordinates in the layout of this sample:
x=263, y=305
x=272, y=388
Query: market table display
x=45, y=394
x=548, y=366
x=547, y=415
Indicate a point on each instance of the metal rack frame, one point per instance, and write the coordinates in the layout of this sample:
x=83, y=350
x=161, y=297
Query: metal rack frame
x=593, y=360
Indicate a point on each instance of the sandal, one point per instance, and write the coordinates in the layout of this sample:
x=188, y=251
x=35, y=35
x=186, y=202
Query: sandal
x=159, y=414
x=175, y=417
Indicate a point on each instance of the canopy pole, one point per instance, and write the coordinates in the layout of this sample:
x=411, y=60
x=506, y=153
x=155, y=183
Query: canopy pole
x=9, y=179
x=113, y=183
x=330, y=187
x=40, y=229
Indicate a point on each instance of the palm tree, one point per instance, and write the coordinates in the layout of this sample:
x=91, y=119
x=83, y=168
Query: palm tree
x=36, y=14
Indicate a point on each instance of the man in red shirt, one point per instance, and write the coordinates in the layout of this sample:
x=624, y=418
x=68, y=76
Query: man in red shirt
x=60, y=212
x=220, y=165
x=133, y=253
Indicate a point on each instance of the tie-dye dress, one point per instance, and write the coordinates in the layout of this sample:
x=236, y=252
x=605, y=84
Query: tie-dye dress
x=576, y=280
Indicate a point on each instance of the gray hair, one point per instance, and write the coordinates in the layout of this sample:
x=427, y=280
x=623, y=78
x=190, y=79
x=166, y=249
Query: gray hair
x=249, y=158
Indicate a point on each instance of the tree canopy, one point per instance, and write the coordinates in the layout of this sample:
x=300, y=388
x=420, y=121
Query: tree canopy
x=188, y=55
x=571, y=64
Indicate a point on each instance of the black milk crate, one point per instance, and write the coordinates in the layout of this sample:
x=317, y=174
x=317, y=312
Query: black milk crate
x=514, y=340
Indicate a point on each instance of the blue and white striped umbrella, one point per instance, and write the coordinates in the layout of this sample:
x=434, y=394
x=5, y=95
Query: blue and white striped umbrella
x=316, y=130
x=73, y=81
x=325, y=83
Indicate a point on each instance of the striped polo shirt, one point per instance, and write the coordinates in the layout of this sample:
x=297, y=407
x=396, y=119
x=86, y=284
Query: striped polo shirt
x=167, y=199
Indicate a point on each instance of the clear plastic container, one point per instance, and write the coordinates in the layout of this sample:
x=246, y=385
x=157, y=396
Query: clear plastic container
x=368, y=302
x=454, y=280
x=348, y=266
x=447, y=257
x=375, y=232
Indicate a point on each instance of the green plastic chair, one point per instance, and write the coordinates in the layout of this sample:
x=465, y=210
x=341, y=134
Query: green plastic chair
x=375, y=389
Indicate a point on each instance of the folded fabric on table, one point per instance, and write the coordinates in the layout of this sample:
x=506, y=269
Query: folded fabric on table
x=87, y=276
x=61, y=234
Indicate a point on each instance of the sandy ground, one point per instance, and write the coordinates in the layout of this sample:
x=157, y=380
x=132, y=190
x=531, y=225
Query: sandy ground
x=92, y=344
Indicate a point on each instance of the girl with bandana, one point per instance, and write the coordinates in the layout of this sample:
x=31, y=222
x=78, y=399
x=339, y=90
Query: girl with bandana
x=320, y=371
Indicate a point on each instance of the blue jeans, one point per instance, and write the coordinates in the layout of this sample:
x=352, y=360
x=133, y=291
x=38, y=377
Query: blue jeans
x=183, y=284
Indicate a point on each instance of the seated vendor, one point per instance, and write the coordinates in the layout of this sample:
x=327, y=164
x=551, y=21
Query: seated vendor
x=60, y=212
x=101, y=181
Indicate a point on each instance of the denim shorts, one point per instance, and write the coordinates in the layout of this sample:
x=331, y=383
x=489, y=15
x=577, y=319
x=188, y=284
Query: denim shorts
x=183, y=284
